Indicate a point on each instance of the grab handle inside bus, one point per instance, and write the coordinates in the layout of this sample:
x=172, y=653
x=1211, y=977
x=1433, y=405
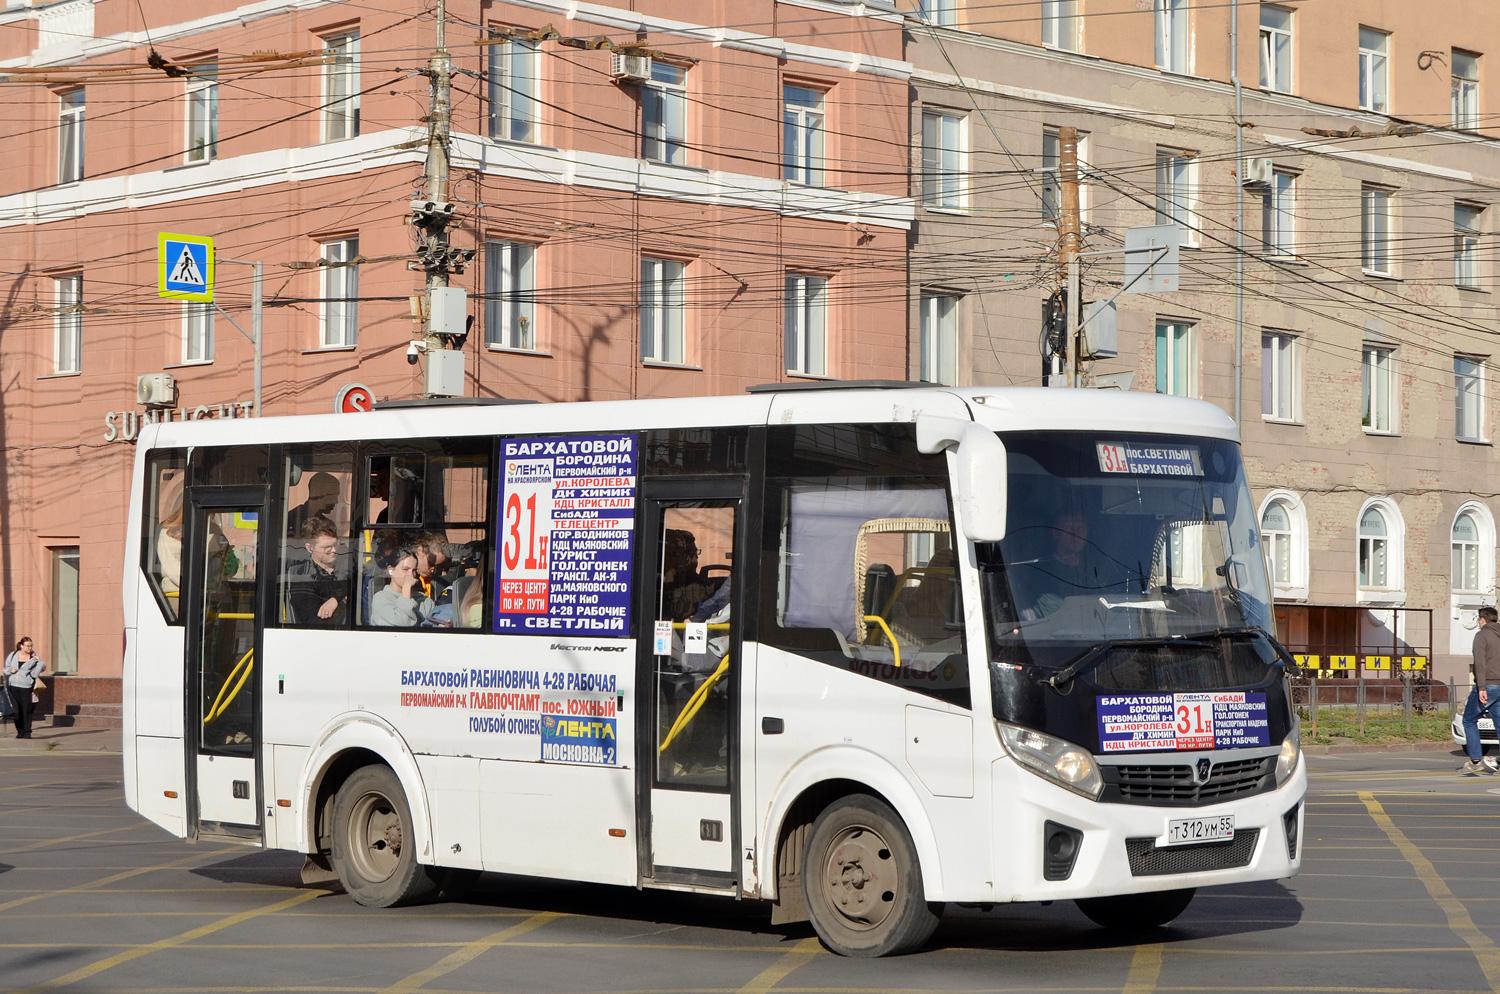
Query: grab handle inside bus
x=980, y=460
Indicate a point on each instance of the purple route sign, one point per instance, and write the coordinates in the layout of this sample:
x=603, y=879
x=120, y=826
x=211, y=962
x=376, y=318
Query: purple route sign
x=1204, y=720
x=567, y=534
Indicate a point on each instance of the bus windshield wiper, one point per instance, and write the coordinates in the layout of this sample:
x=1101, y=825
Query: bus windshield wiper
x=1094, y=654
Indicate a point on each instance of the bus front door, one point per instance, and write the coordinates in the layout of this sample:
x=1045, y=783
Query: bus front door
x=223, y=642
x=689, y=654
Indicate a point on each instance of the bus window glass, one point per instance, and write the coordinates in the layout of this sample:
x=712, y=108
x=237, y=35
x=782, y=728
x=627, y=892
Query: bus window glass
x=161, y=531
x=315, y=575
x=229, y=466
x=686, y=451
x=226, y=651
x=860, y=566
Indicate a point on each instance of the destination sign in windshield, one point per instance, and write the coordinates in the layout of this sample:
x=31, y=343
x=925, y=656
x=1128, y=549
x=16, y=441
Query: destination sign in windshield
x=1149, y=460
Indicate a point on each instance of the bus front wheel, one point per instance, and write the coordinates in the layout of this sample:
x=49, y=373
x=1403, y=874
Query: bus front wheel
x=862, y=882
x=1133, y=912
x=374, y=847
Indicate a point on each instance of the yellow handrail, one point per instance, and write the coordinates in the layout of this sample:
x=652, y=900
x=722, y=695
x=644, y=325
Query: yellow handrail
x=236, y=616
x=694, y=704
x=890, y=636
x=247, y=664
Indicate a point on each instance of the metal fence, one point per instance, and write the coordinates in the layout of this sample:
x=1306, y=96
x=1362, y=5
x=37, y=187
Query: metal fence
x=1362, y=702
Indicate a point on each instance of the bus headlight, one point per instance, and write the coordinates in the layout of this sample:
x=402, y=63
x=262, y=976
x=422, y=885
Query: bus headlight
x=1291, y=749
x=1064, y=763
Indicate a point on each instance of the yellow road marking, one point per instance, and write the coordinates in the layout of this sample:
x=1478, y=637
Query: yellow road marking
x=1145, y=969
x=71, y=838
x=1458, y=916
x=796, y=957
x=468, y=953
x=103, y=882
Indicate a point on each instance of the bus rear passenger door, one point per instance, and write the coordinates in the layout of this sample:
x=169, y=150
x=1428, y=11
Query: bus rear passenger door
x=690, y=647
x=223, y=645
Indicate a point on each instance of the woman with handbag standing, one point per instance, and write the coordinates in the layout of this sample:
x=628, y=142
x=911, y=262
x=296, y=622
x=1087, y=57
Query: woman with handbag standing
x=23, y=669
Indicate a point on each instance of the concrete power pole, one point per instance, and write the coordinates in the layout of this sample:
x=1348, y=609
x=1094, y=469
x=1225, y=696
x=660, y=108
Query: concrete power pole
x=1069, y=243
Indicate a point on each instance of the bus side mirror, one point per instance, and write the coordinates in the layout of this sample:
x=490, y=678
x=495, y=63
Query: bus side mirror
x=981, y=486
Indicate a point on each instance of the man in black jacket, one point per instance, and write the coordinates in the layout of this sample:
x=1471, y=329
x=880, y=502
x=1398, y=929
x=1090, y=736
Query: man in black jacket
x=318, y=590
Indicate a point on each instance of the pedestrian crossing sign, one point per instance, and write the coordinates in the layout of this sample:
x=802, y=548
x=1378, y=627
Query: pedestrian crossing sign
x=185, y=267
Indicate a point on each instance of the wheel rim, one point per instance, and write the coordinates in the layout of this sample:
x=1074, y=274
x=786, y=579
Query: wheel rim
x=860, y=878
x=375, y=837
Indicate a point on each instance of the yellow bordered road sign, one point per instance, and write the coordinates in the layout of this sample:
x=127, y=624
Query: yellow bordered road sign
x=185, y=267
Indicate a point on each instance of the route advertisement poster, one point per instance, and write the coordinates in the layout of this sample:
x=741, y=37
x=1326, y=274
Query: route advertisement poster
x=1204, y=720
x=567, y=531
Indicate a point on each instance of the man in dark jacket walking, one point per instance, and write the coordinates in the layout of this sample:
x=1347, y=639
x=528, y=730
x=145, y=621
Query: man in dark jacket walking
x=1485, y=697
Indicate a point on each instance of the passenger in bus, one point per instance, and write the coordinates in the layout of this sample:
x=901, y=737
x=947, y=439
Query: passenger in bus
x=322, y=497
x=432, y=555
x=169, y=547
x=318, y=589
x=399, y=604
x=471, y=606
x=683, y=587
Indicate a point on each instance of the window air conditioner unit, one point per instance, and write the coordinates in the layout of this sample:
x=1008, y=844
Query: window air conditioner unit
x=1258, y=172
x=156, y=390
x=625, y=66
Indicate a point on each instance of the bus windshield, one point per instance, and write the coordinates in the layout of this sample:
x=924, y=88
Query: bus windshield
x=1113, y=537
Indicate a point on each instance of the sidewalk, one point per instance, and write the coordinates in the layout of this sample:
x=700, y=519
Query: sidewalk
x=46, y=739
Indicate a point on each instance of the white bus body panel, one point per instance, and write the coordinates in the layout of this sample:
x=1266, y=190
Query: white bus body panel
x=453, y=797
x=283, y=769
x=154, y=718
x=552, y=820
x=159, y=768
x=676, y=831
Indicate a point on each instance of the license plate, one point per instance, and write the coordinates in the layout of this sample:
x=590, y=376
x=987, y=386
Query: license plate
x=1486, y=724
x=1184, y=831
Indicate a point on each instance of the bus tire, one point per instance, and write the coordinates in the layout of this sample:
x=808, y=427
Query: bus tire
x=1135, y=912
x=862, y=882
x=373, y=842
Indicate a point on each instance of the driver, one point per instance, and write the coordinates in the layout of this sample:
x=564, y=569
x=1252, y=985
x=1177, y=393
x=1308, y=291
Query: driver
x=1067, y=572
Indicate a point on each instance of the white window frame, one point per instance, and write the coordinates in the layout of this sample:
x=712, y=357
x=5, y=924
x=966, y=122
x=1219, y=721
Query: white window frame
x=1276, y=48
x=806, y=329
x=202, y=117
x=341, y=87
x=510, y=296
x=803, y=134
x=70, y=120
x=1171, y=378
x=1467, y=222
x=514, y=66
x=1296, y=587
x=1393, y=591
x=1375, y=223
x=1281, y=376
x=945, y=151
x=939, y=337
x=1051, y=174
x=1378, y=390
x=1482, y=552
x=1374, y=70
x=1176, y=175
x=1278, y=219
x=1060, y=24
x=664, y=115
x=940, y=12
x=197, y=332
x=1469, y=376
x=663, y=331
x=1465, y=89
x=338, y=312
x=1173, y=37
x=67, y=324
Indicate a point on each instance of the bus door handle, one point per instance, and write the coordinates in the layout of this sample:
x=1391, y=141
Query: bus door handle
x=772, y=726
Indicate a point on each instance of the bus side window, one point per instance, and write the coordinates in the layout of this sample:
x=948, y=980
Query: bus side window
x=161, y=531
x=315, y=578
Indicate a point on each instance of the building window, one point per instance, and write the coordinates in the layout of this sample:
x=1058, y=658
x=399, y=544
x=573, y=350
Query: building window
x=1375, y=229
x=664, y=115
x=1374, y=550
x=1468, y=398
x=1466, y=244
x=802, y=135
x=202, y=113
x=942, y=159
x=1465, y=90
x=1466, y=554
x=1378, y=389
x=1280, y=377
x=1275, y=48
x=197, y=331
x=944, y=12
x=940, y=338
x=64, y=610
x=1174, y=189
x=806, y=325
x=1374, y=47
x=341, y=87
x=1174, y=358
x=513, y=73
x=510, y=295
x=67, y=325
x=1278, y=209
x=1051, y=174
x=662, y=335
x=1060, y=24
x=340, y=308
x=70, y=136
x=1276, y=534
x=1172, y=52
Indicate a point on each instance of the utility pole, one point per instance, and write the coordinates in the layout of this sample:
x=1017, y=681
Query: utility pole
x=1069, y=243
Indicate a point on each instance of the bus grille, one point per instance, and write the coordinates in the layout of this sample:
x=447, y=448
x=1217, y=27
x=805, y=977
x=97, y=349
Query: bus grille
x=1147, y=860
x=1173, y=785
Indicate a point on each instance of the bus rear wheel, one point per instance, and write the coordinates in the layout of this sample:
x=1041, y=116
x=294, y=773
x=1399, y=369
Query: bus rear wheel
x=862, y=882
x=374, y=848
x=1134, y=912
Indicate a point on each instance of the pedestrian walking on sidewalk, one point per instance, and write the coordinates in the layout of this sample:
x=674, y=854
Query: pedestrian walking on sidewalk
x=22, y=667
x=1485, y=696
